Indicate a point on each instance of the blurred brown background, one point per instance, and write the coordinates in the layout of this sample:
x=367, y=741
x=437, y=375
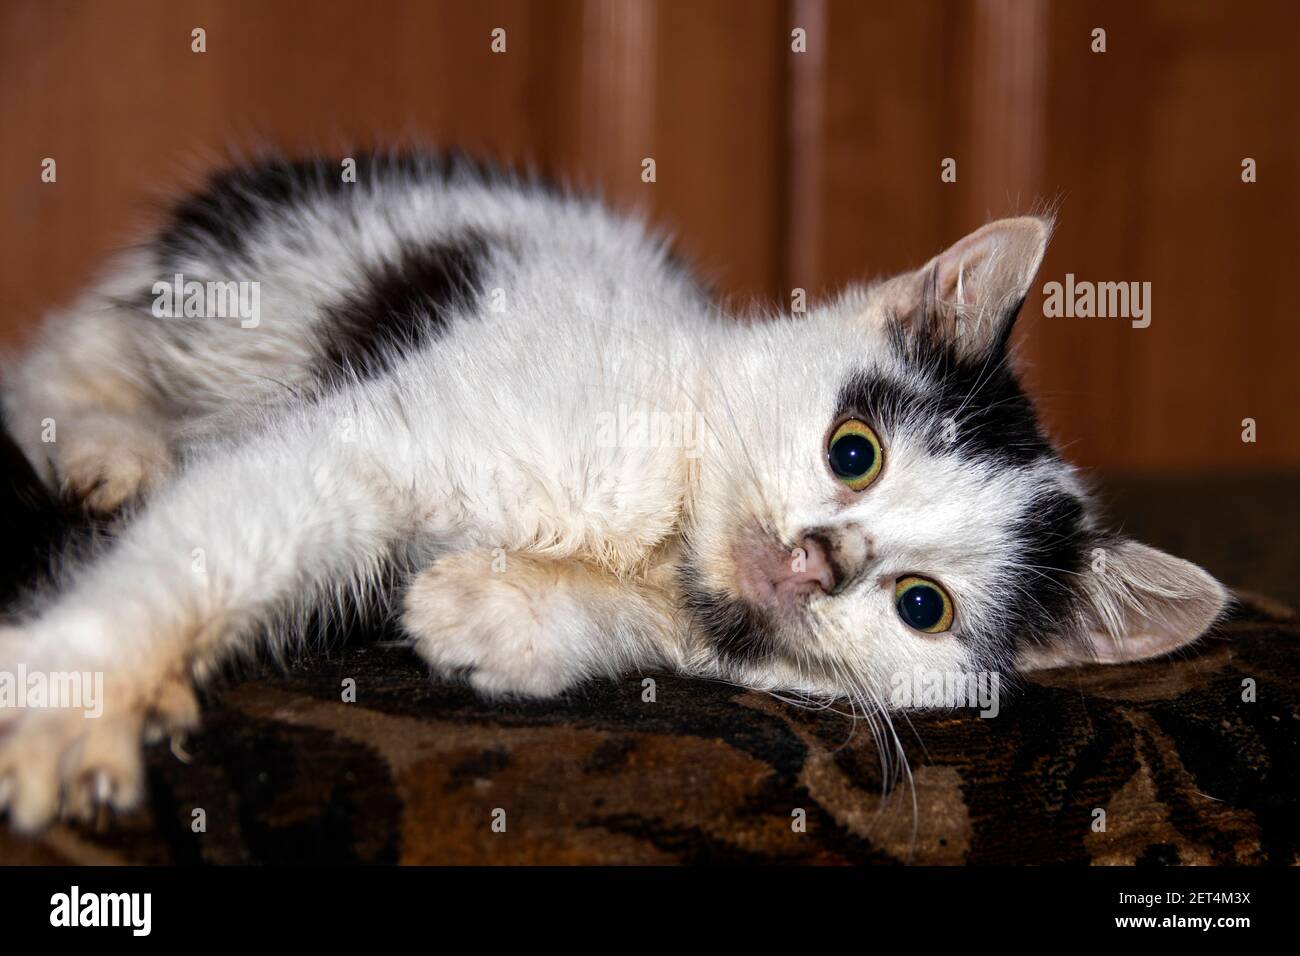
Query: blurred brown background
x=776, y=169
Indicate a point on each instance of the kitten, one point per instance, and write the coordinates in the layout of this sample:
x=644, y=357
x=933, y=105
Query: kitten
x=513, y=411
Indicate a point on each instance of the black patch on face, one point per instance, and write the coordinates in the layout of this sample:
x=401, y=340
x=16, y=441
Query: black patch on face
x=1039, y=585
x=218, y=219
x=991, y=416
x=399, y=306
x=994, y=421
x=740, y=634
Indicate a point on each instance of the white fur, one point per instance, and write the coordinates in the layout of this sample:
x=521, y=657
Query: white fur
x=531, y=552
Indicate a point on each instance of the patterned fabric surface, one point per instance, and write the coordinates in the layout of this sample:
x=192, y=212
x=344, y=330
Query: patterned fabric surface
x=414, y=772
x=1185, y=769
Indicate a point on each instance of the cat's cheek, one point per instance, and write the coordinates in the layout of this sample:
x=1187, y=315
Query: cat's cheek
x=942, y=654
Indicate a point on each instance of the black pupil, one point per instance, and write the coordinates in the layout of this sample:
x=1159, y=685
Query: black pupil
x=852, y=456
x=921, y=606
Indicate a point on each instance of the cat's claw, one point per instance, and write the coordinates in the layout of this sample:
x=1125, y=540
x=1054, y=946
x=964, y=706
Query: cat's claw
x=63, y=761
x=102, y=787
x=92, y=791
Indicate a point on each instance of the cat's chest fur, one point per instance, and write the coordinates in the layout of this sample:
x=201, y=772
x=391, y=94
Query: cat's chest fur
x=586, y=452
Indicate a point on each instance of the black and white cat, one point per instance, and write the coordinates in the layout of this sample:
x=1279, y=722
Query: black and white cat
x=516, y=407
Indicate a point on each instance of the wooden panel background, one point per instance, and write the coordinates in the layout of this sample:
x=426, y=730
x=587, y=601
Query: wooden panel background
x=775, y=169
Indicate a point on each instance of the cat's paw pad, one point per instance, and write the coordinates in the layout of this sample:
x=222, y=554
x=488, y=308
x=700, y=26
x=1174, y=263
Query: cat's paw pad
x=503, y=631
x=73, y=759
x=108, y=465
x=57, y=760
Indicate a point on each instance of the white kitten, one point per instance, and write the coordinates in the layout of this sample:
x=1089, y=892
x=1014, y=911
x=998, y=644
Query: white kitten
x=515, y=405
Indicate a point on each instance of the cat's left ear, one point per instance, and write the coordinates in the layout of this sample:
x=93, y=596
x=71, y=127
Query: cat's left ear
x=1135, y=602
x=970, y=294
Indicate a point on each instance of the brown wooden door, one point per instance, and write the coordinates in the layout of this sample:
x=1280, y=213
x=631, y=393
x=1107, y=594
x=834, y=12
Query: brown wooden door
x=775, y=169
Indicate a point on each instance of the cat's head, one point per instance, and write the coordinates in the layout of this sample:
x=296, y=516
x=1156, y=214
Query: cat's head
x=879, y=498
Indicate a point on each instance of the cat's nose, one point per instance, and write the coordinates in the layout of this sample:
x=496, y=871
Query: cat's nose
x=823, y=559
x=841, y=554
x=814, y=565
x=769, y=574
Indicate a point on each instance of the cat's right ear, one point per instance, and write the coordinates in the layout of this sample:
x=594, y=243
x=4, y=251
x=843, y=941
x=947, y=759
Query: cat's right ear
x=969, y=295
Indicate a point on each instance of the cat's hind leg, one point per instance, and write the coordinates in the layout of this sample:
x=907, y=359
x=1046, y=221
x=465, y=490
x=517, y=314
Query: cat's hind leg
x=521, y=625
x=81, y=406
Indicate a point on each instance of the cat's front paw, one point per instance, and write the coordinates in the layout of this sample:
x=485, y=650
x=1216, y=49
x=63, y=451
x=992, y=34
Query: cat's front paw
x=505, y=628
x=71, y=738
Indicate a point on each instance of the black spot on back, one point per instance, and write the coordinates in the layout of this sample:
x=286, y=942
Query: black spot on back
x=220, y=218
x=400, y=306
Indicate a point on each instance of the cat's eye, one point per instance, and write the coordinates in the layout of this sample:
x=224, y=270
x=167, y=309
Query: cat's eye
x=855, y=454
x=923, y=604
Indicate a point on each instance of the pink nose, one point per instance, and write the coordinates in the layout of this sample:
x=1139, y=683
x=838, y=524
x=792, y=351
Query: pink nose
x=810, y=567
x=769, y=574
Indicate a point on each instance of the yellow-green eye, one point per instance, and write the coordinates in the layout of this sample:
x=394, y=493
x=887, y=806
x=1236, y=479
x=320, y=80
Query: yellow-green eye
x=923, y=604
x=855, y=454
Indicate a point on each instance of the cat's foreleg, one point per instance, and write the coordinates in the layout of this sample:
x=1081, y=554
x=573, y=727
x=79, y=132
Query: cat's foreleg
x=235, y=543
x=519, y=624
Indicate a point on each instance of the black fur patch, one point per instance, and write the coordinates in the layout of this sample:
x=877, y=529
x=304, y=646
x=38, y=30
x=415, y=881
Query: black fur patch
x=218, y=218
x=992, y=420
x=991, y=416
x=400, y=306
x=1040, y=584
x=740, y=634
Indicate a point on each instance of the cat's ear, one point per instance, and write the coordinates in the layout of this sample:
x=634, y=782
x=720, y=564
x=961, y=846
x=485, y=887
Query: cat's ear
x=970, y=294
x=1136, y=602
